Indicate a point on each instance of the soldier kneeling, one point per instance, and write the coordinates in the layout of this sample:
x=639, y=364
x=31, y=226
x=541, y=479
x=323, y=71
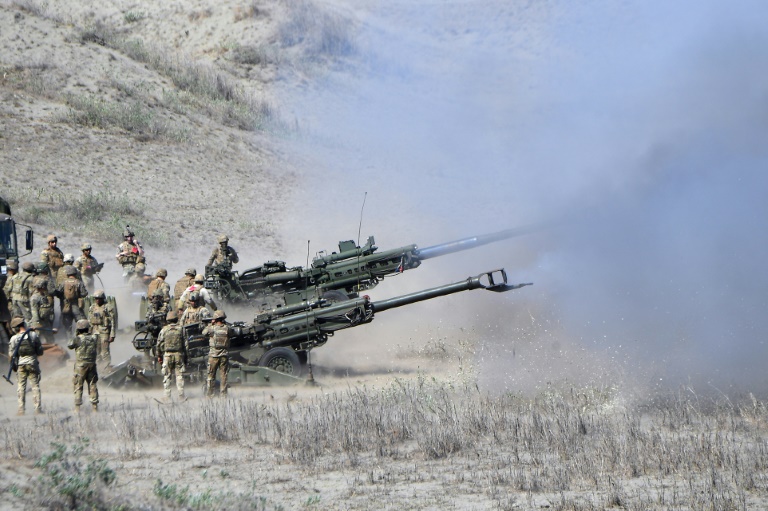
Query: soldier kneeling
x=85, y=345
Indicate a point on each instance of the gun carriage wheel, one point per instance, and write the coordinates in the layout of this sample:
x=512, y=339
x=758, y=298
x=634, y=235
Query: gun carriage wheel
x=284, y=360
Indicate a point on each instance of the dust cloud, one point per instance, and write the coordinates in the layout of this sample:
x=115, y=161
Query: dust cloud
x=634, y=130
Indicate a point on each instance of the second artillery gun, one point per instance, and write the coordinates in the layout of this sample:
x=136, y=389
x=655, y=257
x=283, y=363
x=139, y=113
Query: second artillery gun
x=333, y=277
x=274, y=349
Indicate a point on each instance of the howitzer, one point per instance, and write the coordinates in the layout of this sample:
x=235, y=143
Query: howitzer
x=337, y=276
x=279, y=340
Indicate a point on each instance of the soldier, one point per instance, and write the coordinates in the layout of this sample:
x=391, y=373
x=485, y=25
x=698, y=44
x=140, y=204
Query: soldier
x=73, y=293
x=41, y=304
x=199, y=287
x=61, y=275
x=170, y=346
x=223, y=256
x=21, y=291
x=194, y=313
x=88, y=266
x=218, y=355
x=42, y=274
x=102, y=321
x=85, y=346
x=182, y=284
x=6, y=306
x=158, y=303
x=129, y=253
x=24, y=349
x=159, y=284
x=52, y=255
x=138, y=280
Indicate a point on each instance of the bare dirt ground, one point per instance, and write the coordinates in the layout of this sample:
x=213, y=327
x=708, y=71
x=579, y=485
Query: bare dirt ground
x=187, y=119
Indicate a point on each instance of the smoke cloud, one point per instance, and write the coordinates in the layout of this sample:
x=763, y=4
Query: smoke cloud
x=635, y=130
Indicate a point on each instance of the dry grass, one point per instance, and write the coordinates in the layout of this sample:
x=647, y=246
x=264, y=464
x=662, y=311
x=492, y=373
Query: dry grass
x=580, y=449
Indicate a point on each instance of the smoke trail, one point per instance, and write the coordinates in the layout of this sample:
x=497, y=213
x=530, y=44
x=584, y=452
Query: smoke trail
x=638, y=128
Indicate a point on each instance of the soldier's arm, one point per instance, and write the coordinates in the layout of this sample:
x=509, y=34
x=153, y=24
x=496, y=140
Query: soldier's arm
x=73, y=343
x=212, y=259
x=112, y=322
x=233, y=255
x=35, y=306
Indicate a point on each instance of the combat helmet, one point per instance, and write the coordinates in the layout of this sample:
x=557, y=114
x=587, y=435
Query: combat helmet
x=69, y=258
x=171, y=316
x=162, y=272
x=85, y=246
x=17, y=322
x=190, y=271
x=127, y=233
x=51, y=237
x=140, y=266
x=99, y=293
x=42, y=267
x=82, y=324
x=219, y=314
x=28, y=267
x=222, y=238
x=194, y=296
x=199, y=278
x=70, y=270
x=13, y=265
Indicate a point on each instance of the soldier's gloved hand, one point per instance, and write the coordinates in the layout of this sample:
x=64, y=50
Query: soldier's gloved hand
x=111, y=339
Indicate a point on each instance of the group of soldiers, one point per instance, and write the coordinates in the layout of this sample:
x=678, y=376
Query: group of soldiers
x=29, y=295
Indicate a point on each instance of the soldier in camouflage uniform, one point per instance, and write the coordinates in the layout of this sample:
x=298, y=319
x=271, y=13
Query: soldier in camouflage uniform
x=28, y=369
x=73, y=293
x=52, y=255
x=102, y=320
x=42, y=310
x=158, y=304
x=6, y=306
x=199, y=287
x=21, y=291
x=194, y=313
x=129, y=254
x=181, y=285
x=61, y=274
x=87, y=266
x=223, y=256
x=218, y=354
x=138, y=280
x=159, y=284
x=85, y=346
x=170, y=345
x=43, y=275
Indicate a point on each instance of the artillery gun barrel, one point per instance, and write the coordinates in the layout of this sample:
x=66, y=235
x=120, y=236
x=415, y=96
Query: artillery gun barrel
x=472, y=242
x=495, y=280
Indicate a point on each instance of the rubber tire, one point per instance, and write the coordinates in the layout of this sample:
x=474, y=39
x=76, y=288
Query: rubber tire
x=284, y=360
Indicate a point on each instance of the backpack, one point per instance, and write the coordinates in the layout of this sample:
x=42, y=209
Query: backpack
x=71, y=289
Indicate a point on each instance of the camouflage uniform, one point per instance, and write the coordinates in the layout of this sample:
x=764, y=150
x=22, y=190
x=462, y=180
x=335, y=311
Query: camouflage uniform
x=138, y=280
x=41, y=304
x=182, y=284
x=86, y=265
x=194, y=314
x=61, y=275
x=158, y=303
x=159, y=288
x=86, y=347
x=43, y=275
x=6, y=307
x=52, y=255
x=21, y=291
x=28, y=368
x=129, y=254
x=73, y=293
x=101, y=318
x=218, y=354
x=170, y=343
x=223, y=256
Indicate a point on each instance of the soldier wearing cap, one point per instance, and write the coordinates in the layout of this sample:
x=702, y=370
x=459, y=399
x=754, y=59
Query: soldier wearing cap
x=170, y=346
x=199, y=287
x=52, y=255
x=129, y=254
x=21, y=291
x=85, y=345
x=87, y=266
x=195, y=312
x=27, y=367
x=72, y=292
x=101, y=317
x=41, y=304
x=223, y=256
x=218, y=353
x=182, y=284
